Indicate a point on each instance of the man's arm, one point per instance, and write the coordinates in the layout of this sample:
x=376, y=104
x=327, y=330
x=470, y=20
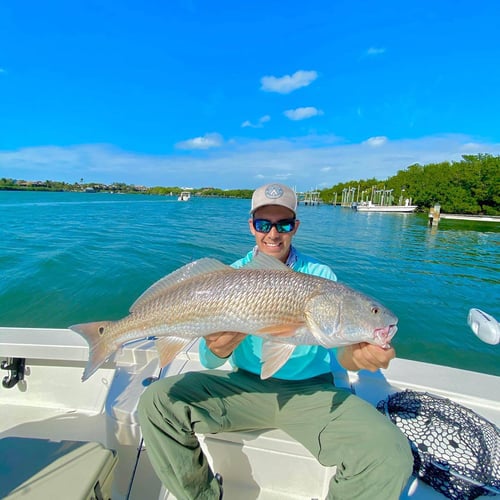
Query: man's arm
x=365, y=356
x=216, y=347
x=222, y=344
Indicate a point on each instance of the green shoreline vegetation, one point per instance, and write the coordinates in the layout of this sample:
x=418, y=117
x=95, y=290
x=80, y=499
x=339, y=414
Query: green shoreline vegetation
x=470, y=186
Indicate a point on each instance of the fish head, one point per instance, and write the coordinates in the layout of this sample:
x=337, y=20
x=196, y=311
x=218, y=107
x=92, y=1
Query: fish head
x=342, y=316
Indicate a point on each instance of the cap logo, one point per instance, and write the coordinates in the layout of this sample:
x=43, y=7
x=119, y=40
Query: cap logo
x=274, y=192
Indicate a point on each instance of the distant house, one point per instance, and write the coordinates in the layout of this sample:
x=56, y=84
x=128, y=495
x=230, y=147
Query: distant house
x=31, y=183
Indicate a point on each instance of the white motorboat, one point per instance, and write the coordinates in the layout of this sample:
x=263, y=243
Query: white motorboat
x=184, y=196
x=61, y=438
x=372, y=207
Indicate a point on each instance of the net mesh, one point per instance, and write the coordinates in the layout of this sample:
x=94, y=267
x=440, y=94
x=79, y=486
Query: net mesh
x=455, y=450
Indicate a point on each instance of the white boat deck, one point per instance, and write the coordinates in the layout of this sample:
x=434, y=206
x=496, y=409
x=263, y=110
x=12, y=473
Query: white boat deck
x=52, y=405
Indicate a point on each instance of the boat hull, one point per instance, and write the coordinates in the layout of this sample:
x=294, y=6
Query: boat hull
x=51, y=403
x=388, y=208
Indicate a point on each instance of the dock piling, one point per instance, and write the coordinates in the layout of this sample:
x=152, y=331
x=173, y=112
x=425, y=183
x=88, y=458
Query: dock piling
x=434, y=215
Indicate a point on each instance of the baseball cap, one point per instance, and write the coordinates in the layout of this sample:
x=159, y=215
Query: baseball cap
x=274, y=194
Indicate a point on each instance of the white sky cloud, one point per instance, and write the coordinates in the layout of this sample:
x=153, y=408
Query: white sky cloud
x=375, y=51
x=259, y=124
x=288, y=83
x=301, y=161
x=302, y=113
x=208, y=141
x=376, y=141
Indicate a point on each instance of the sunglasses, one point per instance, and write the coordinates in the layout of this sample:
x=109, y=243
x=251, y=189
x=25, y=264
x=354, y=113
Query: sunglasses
x=282, y=226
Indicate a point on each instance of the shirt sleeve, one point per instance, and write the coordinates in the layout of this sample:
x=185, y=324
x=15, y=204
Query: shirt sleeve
x=321, y=270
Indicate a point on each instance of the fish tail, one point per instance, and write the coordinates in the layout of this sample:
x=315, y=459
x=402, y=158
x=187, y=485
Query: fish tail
x=99, y=348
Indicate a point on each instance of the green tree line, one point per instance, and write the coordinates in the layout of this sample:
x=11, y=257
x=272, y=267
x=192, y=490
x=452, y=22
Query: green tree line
x=469, y=186
x=9, y=184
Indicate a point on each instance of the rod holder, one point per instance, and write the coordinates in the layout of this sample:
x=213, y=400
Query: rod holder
x=16, y=368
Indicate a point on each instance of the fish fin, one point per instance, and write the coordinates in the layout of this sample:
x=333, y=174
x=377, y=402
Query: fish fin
x=169, y=347
x=325, y=329
x=99, y=350
x=274, y=356
x=195, y=268
x=281, y=330
x=263, y=261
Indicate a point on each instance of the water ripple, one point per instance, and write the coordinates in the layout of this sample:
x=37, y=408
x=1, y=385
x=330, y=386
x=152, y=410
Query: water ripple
x=72, y=257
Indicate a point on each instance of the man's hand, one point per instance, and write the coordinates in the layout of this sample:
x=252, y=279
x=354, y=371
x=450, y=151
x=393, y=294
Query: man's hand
x=222, y=344
x=365, y=356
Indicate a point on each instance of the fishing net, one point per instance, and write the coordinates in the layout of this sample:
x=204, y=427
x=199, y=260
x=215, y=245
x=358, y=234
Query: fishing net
x=455, y=450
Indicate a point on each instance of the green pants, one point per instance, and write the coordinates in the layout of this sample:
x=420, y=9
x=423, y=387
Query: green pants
x=372, y=456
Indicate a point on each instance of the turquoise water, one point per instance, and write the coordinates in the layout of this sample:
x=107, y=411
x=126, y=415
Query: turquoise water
x=68, y=258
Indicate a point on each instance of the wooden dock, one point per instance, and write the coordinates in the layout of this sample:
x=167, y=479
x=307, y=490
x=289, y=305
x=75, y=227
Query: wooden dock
x=309, y=198
x=435, y=215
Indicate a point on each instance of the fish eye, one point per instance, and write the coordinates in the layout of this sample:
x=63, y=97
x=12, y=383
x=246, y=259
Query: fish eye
x=374, y=309
x=101, y=330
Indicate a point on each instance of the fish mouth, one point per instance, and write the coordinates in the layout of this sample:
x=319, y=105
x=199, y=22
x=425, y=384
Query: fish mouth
x=384, y=335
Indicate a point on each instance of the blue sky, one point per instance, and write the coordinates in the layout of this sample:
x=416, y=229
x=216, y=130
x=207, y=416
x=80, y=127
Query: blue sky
x=233, y=94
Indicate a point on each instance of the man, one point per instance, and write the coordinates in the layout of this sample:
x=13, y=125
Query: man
x=372, y=456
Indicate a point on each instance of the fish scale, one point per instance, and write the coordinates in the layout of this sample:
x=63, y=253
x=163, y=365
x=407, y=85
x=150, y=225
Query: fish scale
x=265, y=298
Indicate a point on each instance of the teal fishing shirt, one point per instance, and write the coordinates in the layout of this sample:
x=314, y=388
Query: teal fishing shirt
x=305, y=362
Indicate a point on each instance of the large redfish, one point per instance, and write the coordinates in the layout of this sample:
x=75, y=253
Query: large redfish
x=264, y=298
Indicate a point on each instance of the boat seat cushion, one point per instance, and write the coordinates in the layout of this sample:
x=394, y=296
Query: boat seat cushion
x=40, y=468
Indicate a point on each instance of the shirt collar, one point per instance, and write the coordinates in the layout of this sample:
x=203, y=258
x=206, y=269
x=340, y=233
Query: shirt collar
x=290, y=261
